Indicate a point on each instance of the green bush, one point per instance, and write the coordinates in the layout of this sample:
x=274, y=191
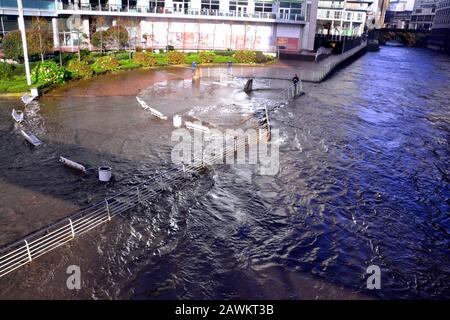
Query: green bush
x=161, y=59
x=206, y=56
x=260, y=57
x=176, y=57
x=191, y=57
x=122, y=55
x=144, y=59
x=128, y=64
x=224, y=59
x=245, y=56
x=107, y=63
x=12, y=45
x=49, y=73
x=79, y=69
x=6, y=71
x=228, y=53
x=99, y=39
x=116, y=36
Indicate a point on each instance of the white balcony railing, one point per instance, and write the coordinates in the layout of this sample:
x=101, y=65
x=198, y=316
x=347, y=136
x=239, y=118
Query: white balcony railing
x=186, y=12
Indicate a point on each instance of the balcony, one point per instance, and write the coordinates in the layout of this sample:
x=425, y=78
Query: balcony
x=118, y=10
x=331, y=4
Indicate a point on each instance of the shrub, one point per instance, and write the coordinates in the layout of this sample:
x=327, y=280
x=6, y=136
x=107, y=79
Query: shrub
x=260, y=57
x=228, y=53
x=206, y=56
x=107, y=63
x=176, y=57
x=245, y=56
x=224, y=59
x=6, y=71
x=79, y=69
x=12, y=45
x=128, y=64
x=99, y=39
x=122, y=55
x=49, y=73
x=144, y=59
x=116, y=36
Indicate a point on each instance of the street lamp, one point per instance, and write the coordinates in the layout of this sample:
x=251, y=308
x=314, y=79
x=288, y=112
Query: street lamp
x=24, y=41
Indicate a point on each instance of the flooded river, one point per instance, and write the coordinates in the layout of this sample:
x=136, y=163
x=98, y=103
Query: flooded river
x=363, y=180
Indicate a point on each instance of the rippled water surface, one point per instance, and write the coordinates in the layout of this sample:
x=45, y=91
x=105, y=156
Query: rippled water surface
x=363, y=180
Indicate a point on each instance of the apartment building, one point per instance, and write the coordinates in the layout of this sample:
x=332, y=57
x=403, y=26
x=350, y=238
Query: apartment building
x=423, y=14
x=440, y=29
x=344, y=18
x=266, y=25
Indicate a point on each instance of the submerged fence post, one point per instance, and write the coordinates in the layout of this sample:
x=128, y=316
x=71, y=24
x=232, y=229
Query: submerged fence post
x=107, y=209
x=28, y=250
x=71, y=228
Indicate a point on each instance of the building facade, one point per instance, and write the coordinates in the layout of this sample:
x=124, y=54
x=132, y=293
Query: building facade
x=342, y=18
x=399, y=14
x=265, y=25
x=440, y=30
x=423, y=14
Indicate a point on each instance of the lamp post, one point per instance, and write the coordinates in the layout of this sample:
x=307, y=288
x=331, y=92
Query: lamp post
x=24, y=41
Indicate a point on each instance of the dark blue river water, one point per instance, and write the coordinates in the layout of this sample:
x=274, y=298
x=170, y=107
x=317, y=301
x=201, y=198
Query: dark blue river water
x=363, y=180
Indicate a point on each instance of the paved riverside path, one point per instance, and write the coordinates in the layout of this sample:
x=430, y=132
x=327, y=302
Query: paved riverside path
x=310, y=71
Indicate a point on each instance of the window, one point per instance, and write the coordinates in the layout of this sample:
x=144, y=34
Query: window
x=210, y=4
x=263, y=6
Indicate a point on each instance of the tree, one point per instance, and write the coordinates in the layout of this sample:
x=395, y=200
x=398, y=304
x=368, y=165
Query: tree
x=98, y=37
x=77, y=25
x=117, y=36
x=131, y=24
x=41, y=40
x=12, y=45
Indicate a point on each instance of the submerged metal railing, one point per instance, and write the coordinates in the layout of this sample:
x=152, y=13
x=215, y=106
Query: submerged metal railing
x=34, y=245
x=24, y=251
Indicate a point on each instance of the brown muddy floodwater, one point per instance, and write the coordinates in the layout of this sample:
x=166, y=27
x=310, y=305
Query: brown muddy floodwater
x=363, y=180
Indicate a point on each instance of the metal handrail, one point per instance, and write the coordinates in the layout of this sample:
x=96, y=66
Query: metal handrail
x=36, y=244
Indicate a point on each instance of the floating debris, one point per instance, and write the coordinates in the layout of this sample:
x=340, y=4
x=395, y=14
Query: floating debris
x=154, y=112
x=31, y=138
x=27, y=98
x=72, y=164
x=17, y=115
x=198, y=127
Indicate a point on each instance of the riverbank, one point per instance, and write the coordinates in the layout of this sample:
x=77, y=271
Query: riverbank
x=310, y=71
x=59, y=71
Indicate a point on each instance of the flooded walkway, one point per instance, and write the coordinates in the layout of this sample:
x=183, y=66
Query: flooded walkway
x=363, y=180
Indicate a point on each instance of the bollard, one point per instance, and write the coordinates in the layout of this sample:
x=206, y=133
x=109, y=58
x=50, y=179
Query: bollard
x=177, y=121
x=104, y=173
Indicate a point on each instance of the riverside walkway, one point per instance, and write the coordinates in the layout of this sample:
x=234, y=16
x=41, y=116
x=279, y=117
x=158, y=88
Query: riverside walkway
x=317, y=71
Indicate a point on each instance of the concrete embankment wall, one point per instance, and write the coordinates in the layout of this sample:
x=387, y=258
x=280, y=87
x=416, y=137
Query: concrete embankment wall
x=322, y=69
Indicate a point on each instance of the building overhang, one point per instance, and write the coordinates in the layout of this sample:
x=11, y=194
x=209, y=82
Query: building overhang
x=28, y=12
x=178, y=16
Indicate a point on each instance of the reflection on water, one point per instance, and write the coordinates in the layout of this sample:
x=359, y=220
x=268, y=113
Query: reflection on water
x=363, y=180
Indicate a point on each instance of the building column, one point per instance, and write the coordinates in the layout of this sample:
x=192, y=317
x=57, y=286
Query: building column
x=224, y=5
x=309, y=31
x=55, y=29
x=251, y=6
x=168, y=4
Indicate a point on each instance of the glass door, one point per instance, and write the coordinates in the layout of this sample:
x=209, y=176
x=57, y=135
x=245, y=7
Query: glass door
x=178, y=6
x=283, y=13
x=241, y=10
